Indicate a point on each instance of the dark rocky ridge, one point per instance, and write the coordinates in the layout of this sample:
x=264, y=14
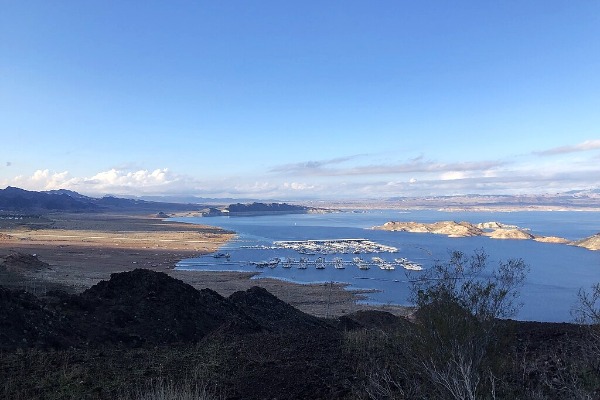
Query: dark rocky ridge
x=143, y=324
x=272, y=313
x=142, y=307
x=27, y=322
x=146, y=307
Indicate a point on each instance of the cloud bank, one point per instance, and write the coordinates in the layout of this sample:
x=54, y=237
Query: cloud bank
x=316, y=168
x=348, y=177
x=111, y=181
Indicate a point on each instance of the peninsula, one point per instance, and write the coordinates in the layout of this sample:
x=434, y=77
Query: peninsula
x=253, y=209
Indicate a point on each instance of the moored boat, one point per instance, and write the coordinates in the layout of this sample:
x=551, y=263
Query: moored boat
x=387, y=266
x=338, y=263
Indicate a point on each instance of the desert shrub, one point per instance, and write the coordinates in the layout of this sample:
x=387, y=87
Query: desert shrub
x=452, y=349
x=458, y=330
x=167, y=390
x=584, y=375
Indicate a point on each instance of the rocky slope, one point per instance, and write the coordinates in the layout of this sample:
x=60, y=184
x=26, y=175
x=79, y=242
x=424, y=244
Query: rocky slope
x=140, y=308
x=503, y=233
x=142, y=326
x=493, y=230
x=590, y=243
x=449, y=228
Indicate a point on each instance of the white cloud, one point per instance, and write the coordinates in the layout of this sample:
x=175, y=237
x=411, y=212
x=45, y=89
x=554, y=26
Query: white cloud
x=411, y=166
x=298, y=186
x=310, y=167
x=44, y=180
x=422, y=179
x=452, y=175
x=583, y=146
x=112, y=181
x=252, y=188
x=138, y=179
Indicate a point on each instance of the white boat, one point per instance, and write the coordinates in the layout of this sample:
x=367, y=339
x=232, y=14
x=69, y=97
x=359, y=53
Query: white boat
x=302, y=263
x=387, y=266
x=274, y=262
x=288, y=262
x=320, y=263
x=338, y=263
x=360, y=263
x=412, y=266
x=377, y=260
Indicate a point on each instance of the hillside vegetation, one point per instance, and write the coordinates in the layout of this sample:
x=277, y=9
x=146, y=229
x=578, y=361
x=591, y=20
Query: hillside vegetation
x=142, y=333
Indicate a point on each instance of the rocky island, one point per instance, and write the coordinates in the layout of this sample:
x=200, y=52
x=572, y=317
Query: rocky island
x=493, y=230
x=590, y=243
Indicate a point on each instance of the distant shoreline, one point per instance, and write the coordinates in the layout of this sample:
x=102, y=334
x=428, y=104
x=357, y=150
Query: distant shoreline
x=473, y=208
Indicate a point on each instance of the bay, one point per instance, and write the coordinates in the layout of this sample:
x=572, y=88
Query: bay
x=556, y=272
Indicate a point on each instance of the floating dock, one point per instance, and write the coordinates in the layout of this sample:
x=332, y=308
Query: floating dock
x=335, y=246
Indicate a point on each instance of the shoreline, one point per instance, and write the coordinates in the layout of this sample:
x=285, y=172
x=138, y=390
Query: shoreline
x=80, y=250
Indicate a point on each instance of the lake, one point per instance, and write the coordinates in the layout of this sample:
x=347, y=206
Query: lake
x=556, y=273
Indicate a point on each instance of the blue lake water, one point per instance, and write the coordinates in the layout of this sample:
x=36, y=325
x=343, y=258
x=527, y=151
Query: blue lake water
x=556, y=271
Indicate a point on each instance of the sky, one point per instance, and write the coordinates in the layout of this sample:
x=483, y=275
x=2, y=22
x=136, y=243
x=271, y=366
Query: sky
x=302, y=99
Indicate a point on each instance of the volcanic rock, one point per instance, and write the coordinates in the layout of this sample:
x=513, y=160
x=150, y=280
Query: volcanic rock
x=373, y=319
x=25, y=321
x=143, y=306
x=272, y=313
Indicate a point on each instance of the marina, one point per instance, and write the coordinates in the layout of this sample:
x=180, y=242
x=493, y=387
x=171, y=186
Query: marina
x=287, y=248
x=320, y=262
x=320, y=248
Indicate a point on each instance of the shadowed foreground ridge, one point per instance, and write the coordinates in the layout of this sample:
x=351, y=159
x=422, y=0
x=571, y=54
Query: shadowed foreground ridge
x=123, y=335
x=141, y=307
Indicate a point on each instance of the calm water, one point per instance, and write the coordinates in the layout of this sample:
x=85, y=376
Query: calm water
x=556, y=271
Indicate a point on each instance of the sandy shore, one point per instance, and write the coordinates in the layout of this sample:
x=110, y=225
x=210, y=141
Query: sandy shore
x=83, y=249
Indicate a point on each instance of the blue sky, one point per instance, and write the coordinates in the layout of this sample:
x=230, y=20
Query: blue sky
x=300, y=100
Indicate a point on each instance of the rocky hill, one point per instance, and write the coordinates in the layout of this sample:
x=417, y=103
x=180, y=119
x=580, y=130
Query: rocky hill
x=590, y=243
x=449, y=228
x=503, y=233
x=493, y=230
x=140, y=308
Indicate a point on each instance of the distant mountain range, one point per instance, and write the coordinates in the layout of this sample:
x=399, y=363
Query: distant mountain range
x=15, y=199
x=572, y=200
x=20, y=200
